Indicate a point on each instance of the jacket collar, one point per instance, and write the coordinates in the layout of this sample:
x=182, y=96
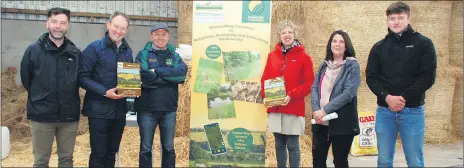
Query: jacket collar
x=296, y=48
x=409, y=30
x=149, y=47
x=67, y=46
x=349, y=61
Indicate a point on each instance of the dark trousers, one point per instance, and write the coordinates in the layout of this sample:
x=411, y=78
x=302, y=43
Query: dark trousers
x=341, y=145
x=105, y=137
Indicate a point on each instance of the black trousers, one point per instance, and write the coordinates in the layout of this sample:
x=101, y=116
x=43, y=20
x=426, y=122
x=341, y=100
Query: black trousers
x=341, y=145
x=105, y=137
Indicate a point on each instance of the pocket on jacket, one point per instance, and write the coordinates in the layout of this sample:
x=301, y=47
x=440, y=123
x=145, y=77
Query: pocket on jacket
x=44, y=103
x=39, y=97
x=71, y=69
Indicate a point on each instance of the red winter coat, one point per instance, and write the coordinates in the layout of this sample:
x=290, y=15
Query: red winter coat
x=298, y=75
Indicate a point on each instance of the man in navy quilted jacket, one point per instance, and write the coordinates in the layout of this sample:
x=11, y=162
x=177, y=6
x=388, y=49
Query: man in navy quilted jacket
x=105, y=109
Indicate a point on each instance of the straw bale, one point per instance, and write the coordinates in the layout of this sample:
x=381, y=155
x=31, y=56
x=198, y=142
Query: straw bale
x=456, y=115
x=287, y=10
x=14, y=99
x=455, y=36
x=432, y=19
x=438, y=107
x=367, y=101
x=184, y=24
x=324, y=17
x=183, y=109
x=367, y=24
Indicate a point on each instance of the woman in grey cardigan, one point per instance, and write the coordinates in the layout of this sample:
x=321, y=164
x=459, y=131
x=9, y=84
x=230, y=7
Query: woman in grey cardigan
x=335, y=91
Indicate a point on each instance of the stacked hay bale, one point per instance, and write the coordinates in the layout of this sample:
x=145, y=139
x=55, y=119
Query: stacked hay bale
x=456, y=114
x=432, y=19
x=455, y=36
x=183, y=109
x=324, y=17
x=287, y=10
x=184, y=24
x=439, y=105
x=456, y=59
x=14, y=100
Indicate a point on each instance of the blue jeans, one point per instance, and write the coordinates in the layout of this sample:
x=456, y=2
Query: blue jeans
x=410, y=123
x=147, y=121
x=290, y=142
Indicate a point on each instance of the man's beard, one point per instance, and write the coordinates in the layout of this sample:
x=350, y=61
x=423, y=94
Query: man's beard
x=50, y=31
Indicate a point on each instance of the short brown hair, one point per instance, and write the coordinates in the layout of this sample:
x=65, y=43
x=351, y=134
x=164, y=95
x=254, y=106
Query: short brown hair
x=397, y=8
x=118, y=14
x=57, y=11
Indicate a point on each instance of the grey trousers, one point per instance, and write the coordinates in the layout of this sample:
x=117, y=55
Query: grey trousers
x=43, y=134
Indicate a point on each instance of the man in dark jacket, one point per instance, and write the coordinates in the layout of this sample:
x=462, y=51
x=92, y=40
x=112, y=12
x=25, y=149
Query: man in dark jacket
x=162, y=71
x=49, y=74
x=105, y=109
x=400, y=68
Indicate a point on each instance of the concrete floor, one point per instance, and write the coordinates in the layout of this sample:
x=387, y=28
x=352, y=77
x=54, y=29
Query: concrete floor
x=437, y=155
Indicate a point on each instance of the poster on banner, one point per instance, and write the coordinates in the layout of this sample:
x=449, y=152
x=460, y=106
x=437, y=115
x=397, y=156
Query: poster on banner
x=230, y=44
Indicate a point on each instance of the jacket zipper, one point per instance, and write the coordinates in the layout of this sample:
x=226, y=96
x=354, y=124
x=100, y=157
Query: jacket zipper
x=284, y=62
x=57, y=74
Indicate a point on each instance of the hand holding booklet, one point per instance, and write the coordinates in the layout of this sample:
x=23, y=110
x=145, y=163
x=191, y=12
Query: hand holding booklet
x=274, y=92
x=129, y=82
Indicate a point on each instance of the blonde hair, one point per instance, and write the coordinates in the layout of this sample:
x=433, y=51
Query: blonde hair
x=284, y=24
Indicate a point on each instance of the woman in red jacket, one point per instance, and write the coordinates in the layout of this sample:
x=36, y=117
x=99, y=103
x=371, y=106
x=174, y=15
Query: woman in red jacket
x=286, y=121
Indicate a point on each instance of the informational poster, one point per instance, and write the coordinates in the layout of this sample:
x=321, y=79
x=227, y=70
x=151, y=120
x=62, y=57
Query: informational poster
x=230, y=41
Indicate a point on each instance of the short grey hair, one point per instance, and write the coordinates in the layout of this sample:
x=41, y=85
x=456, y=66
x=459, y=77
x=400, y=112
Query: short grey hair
x=116, y=13
x=284, y=24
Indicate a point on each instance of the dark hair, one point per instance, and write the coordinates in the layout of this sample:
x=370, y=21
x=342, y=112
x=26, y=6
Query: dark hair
x=397, y=8
x=57, y=11
x=118, y=14
x=349, y=52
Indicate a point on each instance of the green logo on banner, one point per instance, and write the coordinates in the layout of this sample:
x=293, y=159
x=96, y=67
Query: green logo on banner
x=256, y=11
x=240, y=139
x=213, y=51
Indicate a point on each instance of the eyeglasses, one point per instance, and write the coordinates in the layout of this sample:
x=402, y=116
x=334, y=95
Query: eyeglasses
x=120, y=28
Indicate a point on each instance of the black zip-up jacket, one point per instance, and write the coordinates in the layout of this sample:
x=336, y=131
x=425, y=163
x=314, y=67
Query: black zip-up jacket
x=402, y=66
x=49, y=75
